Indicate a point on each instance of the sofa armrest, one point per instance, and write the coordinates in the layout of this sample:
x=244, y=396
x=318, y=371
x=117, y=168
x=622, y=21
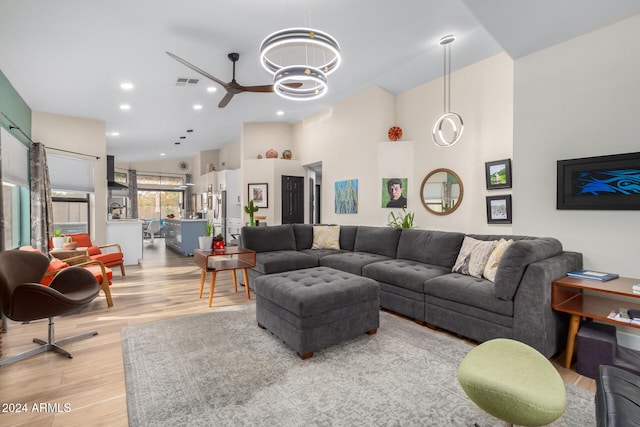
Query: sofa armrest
x=535, y=322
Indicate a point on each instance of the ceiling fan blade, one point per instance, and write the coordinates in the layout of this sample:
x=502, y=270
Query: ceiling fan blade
x=224, y=101
x=261, y=88
x=198, y=70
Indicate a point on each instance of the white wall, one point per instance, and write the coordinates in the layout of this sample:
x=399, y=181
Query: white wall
x=578, y=99
x=83, y=136
x=351, y=140
x=482, y=94
x=345, y=138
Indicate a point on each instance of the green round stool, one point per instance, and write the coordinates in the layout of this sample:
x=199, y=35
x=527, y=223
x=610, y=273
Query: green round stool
x=513, y=382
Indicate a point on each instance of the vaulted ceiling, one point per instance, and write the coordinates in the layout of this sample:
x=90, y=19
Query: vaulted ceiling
x=70, y=56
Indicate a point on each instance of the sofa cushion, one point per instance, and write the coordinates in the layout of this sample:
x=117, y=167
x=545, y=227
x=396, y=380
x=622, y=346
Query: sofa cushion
x=468, y=290
x=473, y=256
x=403, y=273
x=304, y=236
x=319, y=253
x=377, y=240
x=271, y=238
x=351, y=262
x=429, y=246
x=279, y=261
x=493, y=262
x=326, y=237
x=348, y=237
x=515, y=260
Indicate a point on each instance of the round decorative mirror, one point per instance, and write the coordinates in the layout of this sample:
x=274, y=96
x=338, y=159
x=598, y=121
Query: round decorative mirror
x=441, y=191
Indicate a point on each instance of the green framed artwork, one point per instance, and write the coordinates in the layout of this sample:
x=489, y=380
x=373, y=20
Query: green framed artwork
x=394, y=192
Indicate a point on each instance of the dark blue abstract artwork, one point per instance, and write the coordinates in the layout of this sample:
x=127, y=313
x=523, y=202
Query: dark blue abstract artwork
x=599, y=183
x=623, y=181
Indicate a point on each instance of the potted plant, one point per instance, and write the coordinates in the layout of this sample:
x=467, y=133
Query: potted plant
x=403, y=220
x=205, y=241
x=69, y=244
x=58, y=239
x=251, y=209
x=218, y=243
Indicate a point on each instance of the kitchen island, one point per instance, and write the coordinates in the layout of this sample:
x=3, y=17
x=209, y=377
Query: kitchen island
x=128, y=234
x=181, y=235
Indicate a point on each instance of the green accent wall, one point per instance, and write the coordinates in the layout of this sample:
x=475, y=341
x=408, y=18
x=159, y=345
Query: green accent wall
x=13, y=106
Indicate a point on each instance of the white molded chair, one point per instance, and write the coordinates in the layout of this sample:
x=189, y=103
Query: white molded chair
x=152, y=229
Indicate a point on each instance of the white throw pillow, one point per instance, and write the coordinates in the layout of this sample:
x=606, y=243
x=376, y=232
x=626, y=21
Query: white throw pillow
x=326, y=237
x=494, y=259
x=473, y=256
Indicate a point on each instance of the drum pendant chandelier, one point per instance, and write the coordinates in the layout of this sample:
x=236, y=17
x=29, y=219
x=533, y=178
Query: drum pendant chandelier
x=449, y=127
x=300, y=60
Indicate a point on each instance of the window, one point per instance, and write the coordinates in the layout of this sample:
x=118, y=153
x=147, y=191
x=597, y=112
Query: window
x=160, y=196
x=71, y=212
x=71, y=188
x=15, y=192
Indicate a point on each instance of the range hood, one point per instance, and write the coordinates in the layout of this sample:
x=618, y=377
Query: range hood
x=111, y=182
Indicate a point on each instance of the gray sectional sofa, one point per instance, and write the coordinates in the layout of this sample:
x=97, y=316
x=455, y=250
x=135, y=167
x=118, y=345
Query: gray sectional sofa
x=414, y=270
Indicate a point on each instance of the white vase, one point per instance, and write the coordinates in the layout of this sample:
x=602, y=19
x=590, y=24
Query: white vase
x=205, y=242
x=58, y=242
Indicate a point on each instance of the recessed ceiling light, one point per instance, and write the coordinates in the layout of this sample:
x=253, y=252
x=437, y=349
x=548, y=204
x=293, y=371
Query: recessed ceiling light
x=115, y=133
x=162, y=154
x=183, y=137
x=126, y=86
x=197, y=107
x=212, y=89
x=280, y=113
x=189, y=130
x=125, y=107
x=177, y=143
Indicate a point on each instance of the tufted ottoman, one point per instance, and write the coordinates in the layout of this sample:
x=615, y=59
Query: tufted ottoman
x=316, y=307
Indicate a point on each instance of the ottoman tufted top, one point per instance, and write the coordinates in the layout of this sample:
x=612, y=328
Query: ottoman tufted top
x=312, y=291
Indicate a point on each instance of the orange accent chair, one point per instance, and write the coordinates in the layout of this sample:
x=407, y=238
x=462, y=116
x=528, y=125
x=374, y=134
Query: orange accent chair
x=103, y=274
x=109, y=258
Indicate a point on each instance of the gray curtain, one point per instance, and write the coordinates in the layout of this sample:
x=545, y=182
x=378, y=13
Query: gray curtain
x=133, y=192
x=41, y=205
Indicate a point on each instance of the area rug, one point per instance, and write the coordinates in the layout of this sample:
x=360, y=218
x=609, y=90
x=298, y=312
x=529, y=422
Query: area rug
x=220, y=369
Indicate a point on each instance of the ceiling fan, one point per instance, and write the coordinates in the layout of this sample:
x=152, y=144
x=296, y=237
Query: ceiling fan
x=231, y=87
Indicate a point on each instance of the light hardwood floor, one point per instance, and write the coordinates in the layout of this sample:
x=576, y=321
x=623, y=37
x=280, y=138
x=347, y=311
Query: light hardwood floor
x=89, y=389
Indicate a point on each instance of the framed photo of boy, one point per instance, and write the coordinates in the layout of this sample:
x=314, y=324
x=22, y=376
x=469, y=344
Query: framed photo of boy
x=259, y=193
x=498, y=174
x=499, y=209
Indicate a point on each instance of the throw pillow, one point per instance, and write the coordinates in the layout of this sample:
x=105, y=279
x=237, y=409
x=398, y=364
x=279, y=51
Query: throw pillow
x=494, y=259
x=473, y=256
x=326, y=237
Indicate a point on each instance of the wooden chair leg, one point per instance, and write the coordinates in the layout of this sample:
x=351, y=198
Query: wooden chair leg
x=107, y=291
x=122, y=269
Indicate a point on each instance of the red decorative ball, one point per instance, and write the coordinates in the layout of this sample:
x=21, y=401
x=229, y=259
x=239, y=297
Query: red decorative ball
x=395, y=133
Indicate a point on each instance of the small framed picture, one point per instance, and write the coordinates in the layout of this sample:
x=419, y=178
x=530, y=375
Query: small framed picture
x=259, y=193
x=498, y=174
x=499, y=209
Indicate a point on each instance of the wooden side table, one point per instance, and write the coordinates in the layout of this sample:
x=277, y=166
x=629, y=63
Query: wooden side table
x=230, y=258
x=568, y=296
x=71, y=255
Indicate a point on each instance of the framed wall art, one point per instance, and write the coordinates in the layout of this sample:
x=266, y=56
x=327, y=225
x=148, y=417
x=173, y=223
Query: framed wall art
x=259, y=193
x=498, y=174
x=346, y=196
x=499, y=209
x=599, y=183
x=394, y=192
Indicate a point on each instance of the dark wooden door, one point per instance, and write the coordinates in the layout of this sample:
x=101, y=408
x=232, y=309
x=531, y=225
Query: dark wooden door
x=292, y=199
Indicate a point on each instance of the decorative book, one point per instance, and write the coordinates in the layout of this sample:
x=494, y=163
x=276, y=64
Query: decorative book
x=593, y=275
